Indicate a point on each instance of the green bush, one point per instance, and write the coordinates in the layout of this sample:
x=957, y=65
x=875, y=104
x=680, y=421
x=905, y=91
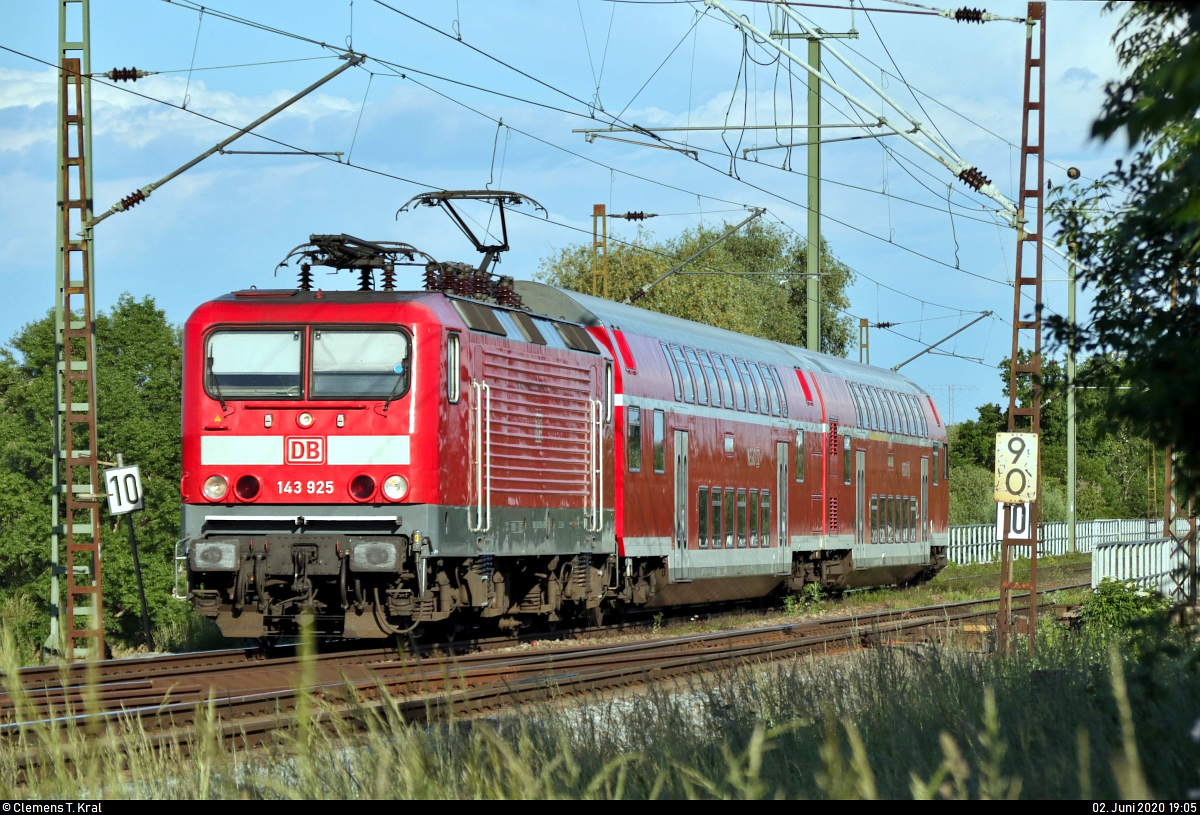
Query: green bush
x=1116, y=606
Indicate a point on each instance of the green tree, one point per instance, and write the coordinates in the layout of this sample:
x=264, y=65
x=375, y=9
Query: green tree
x=1137, y=236
x=138, y=374
x=752, y=281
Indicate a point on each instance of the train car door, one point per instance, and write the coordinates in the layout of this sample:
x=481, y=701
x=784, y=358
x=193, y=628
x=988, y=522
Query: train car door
x=860, y=496
x=923, y=510
x=679, y=552
x=784, y=545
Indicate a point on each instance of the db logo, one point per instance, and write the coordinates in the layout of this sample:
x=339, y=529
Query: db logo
x=305, y=450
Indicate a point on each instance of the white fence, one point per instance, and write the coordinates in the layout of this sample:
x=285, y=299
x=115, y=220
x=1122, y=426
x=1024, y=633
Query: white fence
x=976, y=543
x=1155, y=565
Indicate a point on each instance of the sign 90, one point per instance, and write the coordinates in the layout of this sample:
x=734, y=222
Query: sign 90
x=1016, y=468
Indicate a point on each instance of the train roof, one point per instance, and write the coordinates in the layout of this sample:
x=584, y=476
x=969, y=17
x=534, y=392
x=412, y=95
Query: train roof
x=584, y=309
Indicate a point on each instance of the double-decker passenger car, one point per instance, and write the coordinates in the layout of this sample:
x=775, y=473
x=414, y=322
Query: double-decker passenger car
x=391, y=458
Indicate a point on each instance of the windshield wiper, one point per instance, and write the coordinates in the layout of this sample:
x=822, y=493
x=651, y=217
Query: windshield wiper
x=392, y=396
x=208, y=370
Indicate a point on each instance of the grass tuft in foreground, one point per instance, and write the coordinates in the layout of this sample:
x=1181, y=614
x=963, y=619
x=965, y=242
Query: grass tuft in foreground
x=1079, y=720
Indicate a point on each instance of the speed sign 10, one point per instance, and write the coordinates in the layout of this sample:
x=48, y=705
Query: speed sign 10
x=1016, y=467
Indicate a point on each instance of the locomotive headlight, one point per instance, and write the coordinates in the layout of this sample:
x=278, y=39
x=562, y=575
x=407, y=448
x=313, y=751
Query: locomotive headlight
x=305, y=419
x=215, y=487
x=395, y=487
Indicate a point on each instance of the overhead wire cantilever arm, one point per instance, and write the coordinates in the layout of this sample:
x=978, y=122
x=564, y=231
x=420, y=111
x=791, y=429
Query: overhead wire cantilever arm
x=638, y=294
x=929, y=348
x=137, y=196
x=967, y=173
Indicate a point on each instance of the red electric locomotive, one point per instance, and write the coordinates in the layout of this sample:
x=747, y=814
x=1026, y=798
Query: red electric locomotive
x=495, y=452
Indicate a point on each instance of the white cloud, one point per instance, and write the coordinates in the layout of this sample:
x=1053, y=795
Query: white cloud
x=135, y=121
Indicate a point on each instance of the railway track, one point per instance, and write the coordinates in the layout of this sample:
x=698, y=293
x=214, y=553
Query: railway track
x=254, y=695
x=150, y=682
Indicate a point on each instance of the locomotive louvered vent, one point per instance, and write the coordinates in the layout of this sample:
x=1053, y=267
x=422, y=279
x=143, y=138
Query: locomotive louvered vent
x=577, y=338
x=479, y=318
x=833, y=513
x=528, y=328
x=833, y=438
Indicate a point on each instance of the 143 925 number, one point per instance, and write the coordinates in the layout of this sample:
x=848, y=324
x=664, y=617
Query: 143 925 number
x=305, y=487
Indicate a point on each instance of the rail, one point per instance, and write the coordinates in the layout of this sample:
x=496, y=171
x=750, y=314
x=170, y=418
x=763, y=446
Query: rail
x=977, y=543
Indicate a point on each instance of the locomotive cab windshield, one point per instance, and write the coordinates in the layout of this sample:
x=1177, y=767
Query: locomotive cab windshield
x=345, y=364
x=254, y=364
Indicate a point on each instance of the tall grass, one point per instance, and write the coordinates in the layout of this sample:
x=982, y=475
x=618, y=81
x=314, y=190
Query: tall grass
x=1076, y=721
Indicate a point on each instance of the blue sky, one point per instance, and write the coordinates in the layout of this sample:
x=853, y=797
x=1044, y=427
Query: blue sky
x=226, y=223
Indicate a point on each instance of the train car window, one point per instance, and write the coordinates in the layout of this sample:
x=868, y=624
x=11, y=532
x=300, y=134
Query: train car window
x=880, y=422
x=915, y=518
x=608, y=391
x=479, y=318
x=872, y=410
x=772, y=394
x=914, y=428
x=765, y=529
x=936, y=468
x=689, y=390
x=901, y=424
x=741, y=518
x=846, y=459
x=710, y=376
x=739, y=389
x=552, y=337
x=253, y=364
x=783, y=406
x=751, y=398
x=702, y=516
x=660, y=447
x=753, y=518
x=889, y=415
x=799, y=456
x=716, y=518
x=945, y=461
x=674, y=373
x=453, y=370
x=576, y=338
x=874, y=519
x=730, y=506
x=359, y=365
x=893, y=413
x=904, y=520
x=697, y=376
x=633, y=438
x=526, y=325
x=764, y=405
x=891, y=523
x=861, y=419
x=726, y=385
x=910, y=421
x=920, y=411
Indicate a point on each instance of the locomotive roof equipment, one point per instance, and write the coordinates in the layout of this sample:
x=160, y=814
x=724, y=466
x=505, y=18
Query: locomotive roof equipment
x=497, y=198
